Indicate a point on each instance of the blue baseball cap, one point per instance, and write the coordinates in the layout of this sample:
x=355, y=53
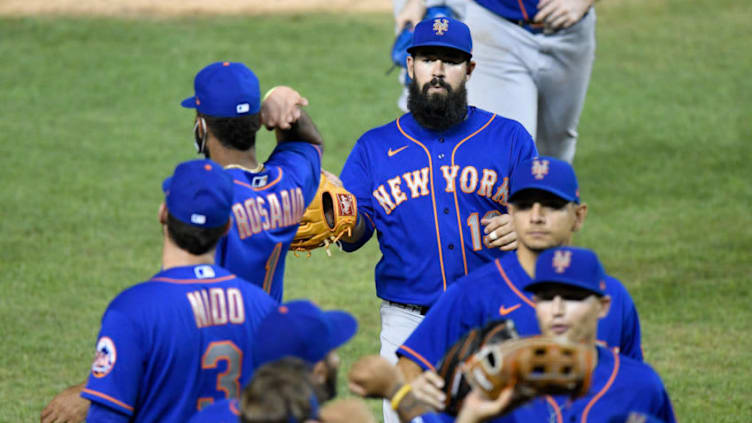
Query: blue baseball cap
x=442, y=32
x=572, y=266
x=199, y=193
x=546, y=174
x=301, y=329
x=225, y=89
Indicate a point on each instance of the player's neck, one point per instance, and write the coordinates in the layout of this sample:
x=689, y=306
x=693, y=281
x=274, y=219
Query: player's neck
x=527, y=259
x=229, y=156
x=174, y=256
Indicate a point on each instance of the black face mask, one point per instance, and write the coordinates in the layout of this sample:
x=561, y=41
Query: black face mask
x=200, y=140
x=435, y=111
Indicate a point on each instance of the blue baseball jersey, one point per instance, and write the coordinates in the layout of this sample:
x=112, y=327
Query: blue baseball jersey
x=495, y=291
x=520, y=10
x=225, y=411
x=173, y=344
x=619, y=386
x=267, y=208
x=426, y=192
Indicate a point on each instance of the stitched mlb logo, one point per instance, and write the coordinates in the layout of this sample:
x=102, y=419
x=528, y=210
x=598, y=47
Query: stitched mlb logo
x=243, y=108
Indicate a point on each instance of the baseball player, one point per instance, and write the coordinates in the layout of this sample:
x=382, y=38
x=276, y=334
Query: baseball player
x=534, y=62
x=546, y=210
x=432, y=182
x=270, y=197
x=569, y=297
x=181, y=340
x=301, y=330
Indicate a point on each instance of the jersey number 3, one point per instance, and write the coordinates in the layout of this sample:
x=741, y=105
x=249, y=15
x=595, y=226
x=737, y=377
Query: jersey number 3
x=228, y=381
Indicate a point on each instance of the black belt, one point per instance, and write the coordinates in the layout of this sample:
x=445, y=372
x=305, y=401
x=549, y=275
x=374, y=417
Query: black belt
x=534, y=27
x=422, y=310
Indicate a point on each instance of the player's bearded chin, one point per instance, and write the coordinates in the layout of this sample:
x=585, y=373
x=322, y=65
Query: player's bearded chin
x=328, y=389
x=436, y=111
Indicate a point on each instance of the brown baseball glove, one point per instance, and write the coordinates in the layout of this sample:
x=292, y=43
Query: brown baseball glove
x=331, y=214
x=456, y=386
x=535, y=366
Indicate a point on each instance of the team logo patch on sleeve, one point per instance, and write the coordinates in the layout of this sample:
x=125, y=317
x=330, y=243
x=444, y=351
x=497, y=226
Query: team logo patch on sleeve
x=105, y=358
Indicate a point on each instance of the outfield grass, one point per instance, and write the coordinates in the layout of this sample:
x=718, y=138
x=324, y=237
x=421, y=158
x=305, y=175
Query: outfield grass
x=90, y=124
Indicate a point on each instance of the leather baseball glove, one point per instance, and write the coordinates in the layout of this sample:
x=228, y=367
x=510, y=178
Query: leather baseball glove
x=534, y=365
x=456, y=386
x=331, y=214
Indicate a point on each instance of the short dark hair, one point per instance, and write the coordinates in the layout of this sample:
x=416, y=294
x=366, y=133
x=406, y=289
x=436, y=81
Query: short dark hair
x=235, y=132
x=279, y=392
x=191, y=238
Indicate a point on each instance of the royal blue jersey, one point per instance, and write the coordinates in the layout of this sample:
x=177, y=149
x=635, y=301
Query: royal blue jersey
x=495, y=291
x=519, y=10
x=619, y=385
x=224, y=411
x=426, y=192
x=173, y=344
x=267, y=208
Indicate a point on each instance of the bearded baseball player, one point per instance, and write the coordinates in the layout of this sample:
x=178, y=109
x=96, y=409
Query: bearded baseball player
x=433, y=182
x=546, y=211
x=534, y=63
x=270, y=197
x=180, y=340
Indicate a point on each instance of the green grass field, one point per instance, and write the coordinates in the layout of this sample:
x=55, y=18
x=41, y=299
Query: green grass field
x=90, y=125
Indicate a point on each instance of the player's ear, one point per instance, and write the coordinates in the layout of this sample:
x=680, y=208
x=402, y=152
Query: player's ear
x=162, y=214
x=605, y=306
x=470, y=69
x=227, y=227
x=410, y=62
x=580, y=213
x=319, y=372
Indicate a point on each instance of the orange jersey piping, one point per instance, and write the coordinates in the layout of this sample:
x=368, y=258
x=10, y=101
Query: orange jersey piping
x=433, y=199
x=511, y=285
x=559, y=418
x=265, y=187
x=456, y=204
x=187, y=281
x=602, y=392
x=418, y=356
x=109, y=398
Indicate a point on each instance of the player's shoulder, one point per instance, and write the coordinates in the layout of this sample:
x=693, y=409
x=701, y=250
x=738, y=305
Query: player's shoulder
x=376, y=134
x=499, y=121
x=638, y=374
x=616, y=289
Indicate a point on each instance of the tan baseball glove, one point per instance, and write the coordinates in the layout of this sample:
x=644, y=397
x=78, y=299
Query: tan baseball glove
x=331, y=215
x=535, y=366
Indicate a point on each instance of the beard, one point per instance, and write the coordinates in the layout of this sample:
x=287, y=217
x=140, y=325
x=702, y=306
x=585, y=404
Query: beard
x=437, y=111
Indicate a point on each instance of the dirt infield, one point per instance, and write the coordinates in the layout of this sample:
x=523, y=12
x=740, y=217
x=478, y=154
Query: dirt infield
x=185, y=7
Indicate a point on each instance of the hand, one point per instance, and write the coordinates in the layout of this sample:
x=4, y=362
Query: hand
x=374, y=377
x=557, y=14
x=412, y=13
x=334, y=179
x=345, y=411
x=477, y=408
x=282, y=108
x=66, y=407
x=499, y=232
x=427, y=389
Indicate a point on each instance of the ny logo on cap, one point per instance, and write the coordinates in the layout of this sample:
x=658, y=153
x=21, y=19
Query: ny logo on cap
x=562, y=260
x=540, y=168
x=440, y=26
